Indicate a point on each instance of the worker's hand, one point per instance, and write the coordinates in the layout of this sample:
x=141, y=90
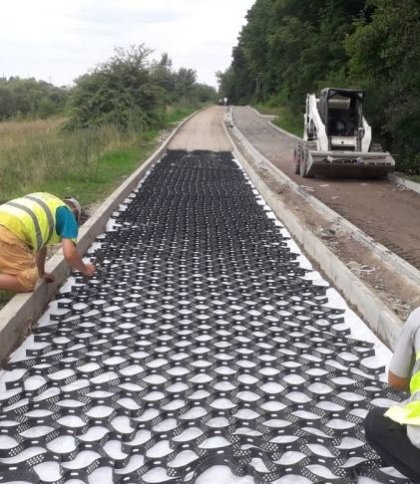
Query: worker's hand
x=90, y=269
x=48, y=277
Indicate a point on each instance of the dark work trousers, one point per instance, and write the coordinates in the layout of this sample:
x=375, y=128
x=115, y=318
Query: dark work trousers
x=390, y=441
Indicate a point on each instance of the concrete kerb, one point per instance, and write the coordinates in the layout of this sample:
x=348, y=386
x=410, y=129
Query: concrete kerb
x=379, y=318
x=404, y=183
x=18, y=316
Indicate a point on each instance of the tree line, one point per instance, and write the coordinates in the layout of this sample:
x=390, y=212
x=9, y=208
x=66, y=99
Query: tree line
x=130, y=91
x=292, y=47
x=23, y=98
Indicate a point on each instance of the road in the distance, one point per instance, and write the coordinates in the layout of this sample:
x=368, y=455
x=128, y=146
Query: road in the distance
x=390, y=215
x=203, y=132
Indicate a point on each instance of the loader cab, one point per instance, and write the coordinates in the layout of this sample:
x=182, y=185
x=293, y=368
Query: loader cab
x=341, y=113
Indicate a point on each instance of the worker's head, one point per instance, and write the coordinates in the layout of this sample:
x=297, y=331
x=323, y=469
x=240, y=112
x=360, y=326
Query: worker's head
x=74, y=206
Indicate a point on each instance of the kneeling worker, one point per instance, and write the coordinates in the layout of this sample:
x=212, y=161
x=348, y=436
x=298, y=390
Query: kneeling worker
x=395, y=433
x=27, y=226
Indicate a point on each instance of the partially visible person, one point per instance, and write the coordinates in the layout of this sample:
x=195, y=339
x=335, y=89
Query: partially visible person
x=28, y=225
x=395, y=433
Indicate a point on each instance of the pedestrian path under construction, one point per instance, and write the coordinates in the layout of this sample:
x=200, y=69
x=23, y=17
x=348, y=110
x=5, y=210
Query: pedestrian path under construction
x=200, y=342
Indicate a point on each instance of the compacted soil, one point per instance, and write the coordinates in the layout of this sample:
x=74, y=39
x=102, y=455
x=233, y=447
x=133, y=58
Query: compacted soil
x=204, y=131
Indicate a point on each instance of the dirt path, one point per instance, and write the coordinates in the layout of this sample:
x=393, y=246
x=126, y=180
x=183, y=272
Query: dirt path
x=388, y=214
x=203, y=132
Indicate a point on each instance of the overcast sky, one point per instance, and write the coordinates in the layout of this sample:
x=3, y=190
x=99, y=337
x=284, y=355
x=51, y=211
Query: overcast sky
x=58, y=40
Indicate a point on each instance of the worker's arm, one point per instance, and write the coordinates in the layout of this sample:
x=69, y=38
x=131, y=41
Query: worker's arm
x=74, y=260
x=40, y=264
x=398, y=383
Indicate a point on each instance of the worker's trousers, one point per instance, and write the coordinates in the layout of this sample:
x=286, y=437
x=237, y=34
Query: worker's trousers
x=390, y=441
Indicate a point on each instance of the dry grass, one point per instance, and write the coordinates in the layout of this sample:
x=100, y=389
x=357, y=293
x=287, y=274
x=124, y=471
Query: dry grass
x=35, y=152
x=12, y=132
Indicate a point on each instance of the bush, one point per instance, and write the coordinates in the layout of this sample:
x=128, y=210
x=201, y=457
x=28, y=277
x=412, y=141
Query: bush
x=120, y=92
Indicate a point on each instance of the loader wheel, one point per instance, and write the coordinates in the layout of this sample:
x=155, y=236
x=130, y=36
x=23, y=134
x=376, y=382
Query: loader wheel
x=296, y=158
x=303, y=166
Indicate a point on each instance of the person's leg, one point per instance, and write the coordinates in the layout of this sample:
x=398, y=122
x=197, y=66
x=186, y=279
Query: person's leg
x=18, y=271
x=390, y=441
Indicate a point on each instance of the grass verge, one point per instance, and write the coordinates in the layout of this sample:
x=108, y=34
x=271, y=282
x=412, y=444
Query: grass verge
x=88, y=164
x=284, y=119
x=413, y=178
x=99, y=179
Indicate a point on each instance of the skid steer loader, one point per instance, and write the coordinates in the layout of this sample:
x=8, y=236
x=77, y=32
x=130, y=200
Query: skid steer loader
x=337, y=140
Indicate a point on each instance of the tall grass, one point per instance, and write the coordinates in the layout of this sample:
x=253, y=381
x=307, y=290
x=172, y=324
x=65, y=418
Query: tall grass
x=175, y=112
x=35, y=152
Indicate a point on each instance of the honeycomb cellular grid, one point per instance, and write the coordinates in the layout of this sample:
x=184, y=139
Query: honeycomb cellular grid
x=199, y=342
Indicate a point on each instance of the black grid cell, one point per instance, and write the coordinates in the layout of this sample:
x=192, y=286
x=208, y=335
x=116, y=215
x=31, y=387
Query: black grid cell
x=199, y=342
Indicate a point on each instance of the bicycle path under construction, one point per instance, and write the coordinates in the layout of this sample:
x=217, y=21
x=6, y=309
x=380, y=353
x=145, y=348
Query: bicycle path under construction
x=204, y=340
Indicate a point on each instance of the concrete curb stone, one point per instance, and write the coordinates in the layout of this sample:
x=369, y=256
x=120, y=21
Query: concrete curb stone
x=403, y=182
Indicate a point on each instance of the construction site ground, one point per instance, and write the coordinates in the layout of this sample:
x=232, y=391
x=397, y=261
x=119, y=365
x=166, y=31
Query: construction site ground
x=384, y=211
x=206, y=339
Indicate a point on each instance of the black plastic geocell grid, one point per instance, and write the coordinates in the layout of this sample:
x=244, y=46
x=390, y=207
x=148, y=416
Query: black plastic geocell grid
x=198, y=343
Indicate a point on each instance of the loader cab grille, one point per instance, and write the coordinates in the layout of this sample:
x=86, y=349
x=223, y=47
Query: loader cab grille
x=342, y=148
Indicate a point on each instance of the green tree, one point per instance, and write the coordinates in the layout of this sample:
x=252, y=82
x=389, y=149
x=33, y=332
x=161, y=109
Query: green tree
x=120, y=91
x=163, y=76
x=131, y=91
x=290, y=47
x=30, y=98
x=385, y=55
x=185, y=80
x=204, y=93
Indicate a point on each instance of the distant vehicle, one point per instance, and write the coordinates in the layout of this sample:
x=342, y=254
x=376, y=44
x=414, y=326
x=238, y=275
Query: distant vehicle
x=337, y=140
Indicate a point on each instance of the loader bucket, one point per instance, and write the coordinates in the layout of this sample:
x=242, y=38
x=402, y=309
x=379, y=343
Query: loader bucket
x=349, y=164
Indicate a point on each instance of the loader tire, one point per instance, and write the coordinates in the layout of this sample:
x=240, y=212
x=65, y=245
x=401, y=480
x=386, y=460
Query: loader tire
x=297, y=153
x=303, y=166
